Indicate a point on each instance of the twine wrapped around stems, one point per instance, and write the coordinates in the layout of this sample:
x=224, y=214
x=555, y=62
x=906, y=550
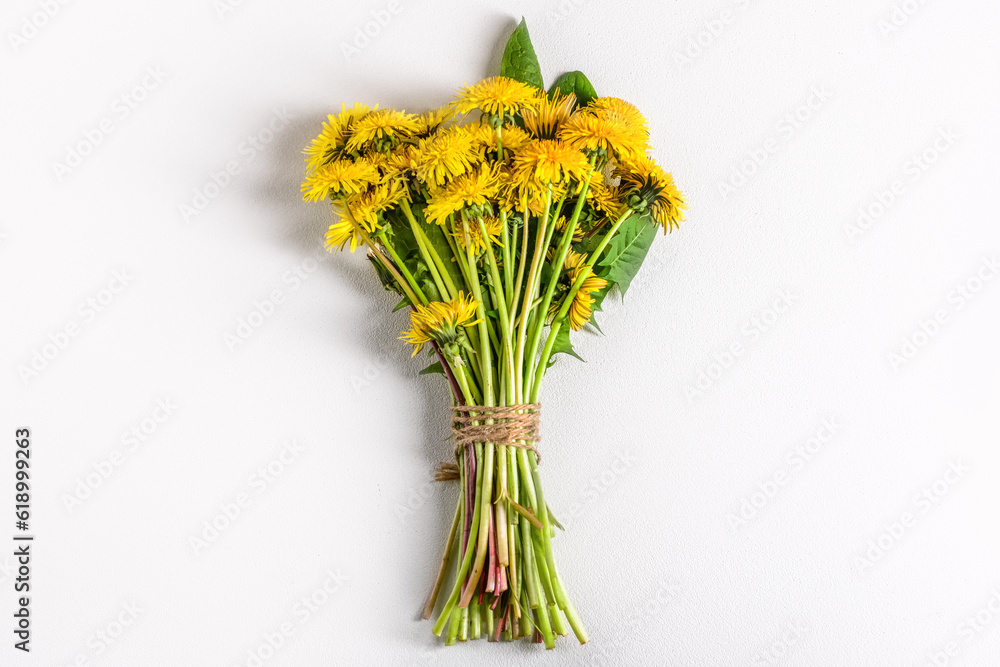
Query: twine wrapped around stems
x=511, y=425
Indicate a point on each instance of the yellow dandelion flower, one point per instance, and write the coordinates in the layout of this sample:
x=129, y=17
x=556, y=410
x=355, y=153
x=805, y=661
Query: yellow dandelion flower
x=549, y=161
x=378, y=160
x=382, y=125
x=544, y=118
x=581, y=309
x=429, y=121
x=446, y=154
x=647, y=187
x=497, y=95
x=342, y=177
x=514, y=138
x=574, y=260
x=483, y=136
x=440, y=322
x=402, y=162
x=592, y=130
x=493, y=228
x=514, y=194
x=475, y=187
x=366, y=206
x=617, y=109
x=605, y=198
x=360, y=217
x=332, y=140
x=341, y=233
x=578, y=233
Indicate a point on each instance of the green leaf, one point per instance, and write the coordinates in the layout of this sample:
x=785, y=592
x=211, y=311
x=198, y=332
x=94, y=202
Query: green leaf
x=402, y=236
x=402, y=304
x=519, y=60
x=424, y=279
x=436, y=367
x=563, y=344
x=627, y=250
x=435, y=234
x=576, y=83
x=587, y=245
x=384, y=277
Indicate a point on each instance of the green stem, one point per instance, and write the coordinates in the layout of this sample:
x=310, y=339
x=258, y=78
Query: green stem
x=431, y=257
x=528, y=297
x=558, y=260
x=456, y=622
x=402, y=267
x=422, y=247
x=470, y=391
x=405, y=286
x=528, y=569
x=476, y=620
x=483, y=488
x=450, y=605
x=508, y=266
x=519, y=281
x=485, y=354
x=445, y=560
x=496, y=287
x=567, y=302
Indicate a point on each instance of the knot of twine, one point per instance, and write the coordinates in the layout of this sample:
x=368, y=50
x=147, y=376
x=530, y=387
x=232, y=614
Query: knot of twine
x=514, y=426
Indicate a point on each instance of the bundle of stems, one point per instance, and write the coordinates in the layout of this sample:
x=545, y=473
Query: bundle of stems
x=502, y=233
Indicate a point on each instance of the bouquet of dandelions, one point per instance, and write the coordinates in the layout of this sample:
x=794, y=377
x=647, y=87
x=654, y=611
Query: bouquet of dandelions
x=502, y=234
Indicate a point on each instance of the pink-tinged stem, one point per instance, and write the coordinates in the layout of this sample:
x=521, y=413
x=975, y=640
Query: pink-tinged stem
x=500, y=627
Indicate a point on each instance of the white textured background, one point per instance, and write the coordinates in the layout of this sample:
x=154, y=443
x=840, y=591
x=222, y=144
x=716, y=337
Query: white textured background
x=705, y=526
